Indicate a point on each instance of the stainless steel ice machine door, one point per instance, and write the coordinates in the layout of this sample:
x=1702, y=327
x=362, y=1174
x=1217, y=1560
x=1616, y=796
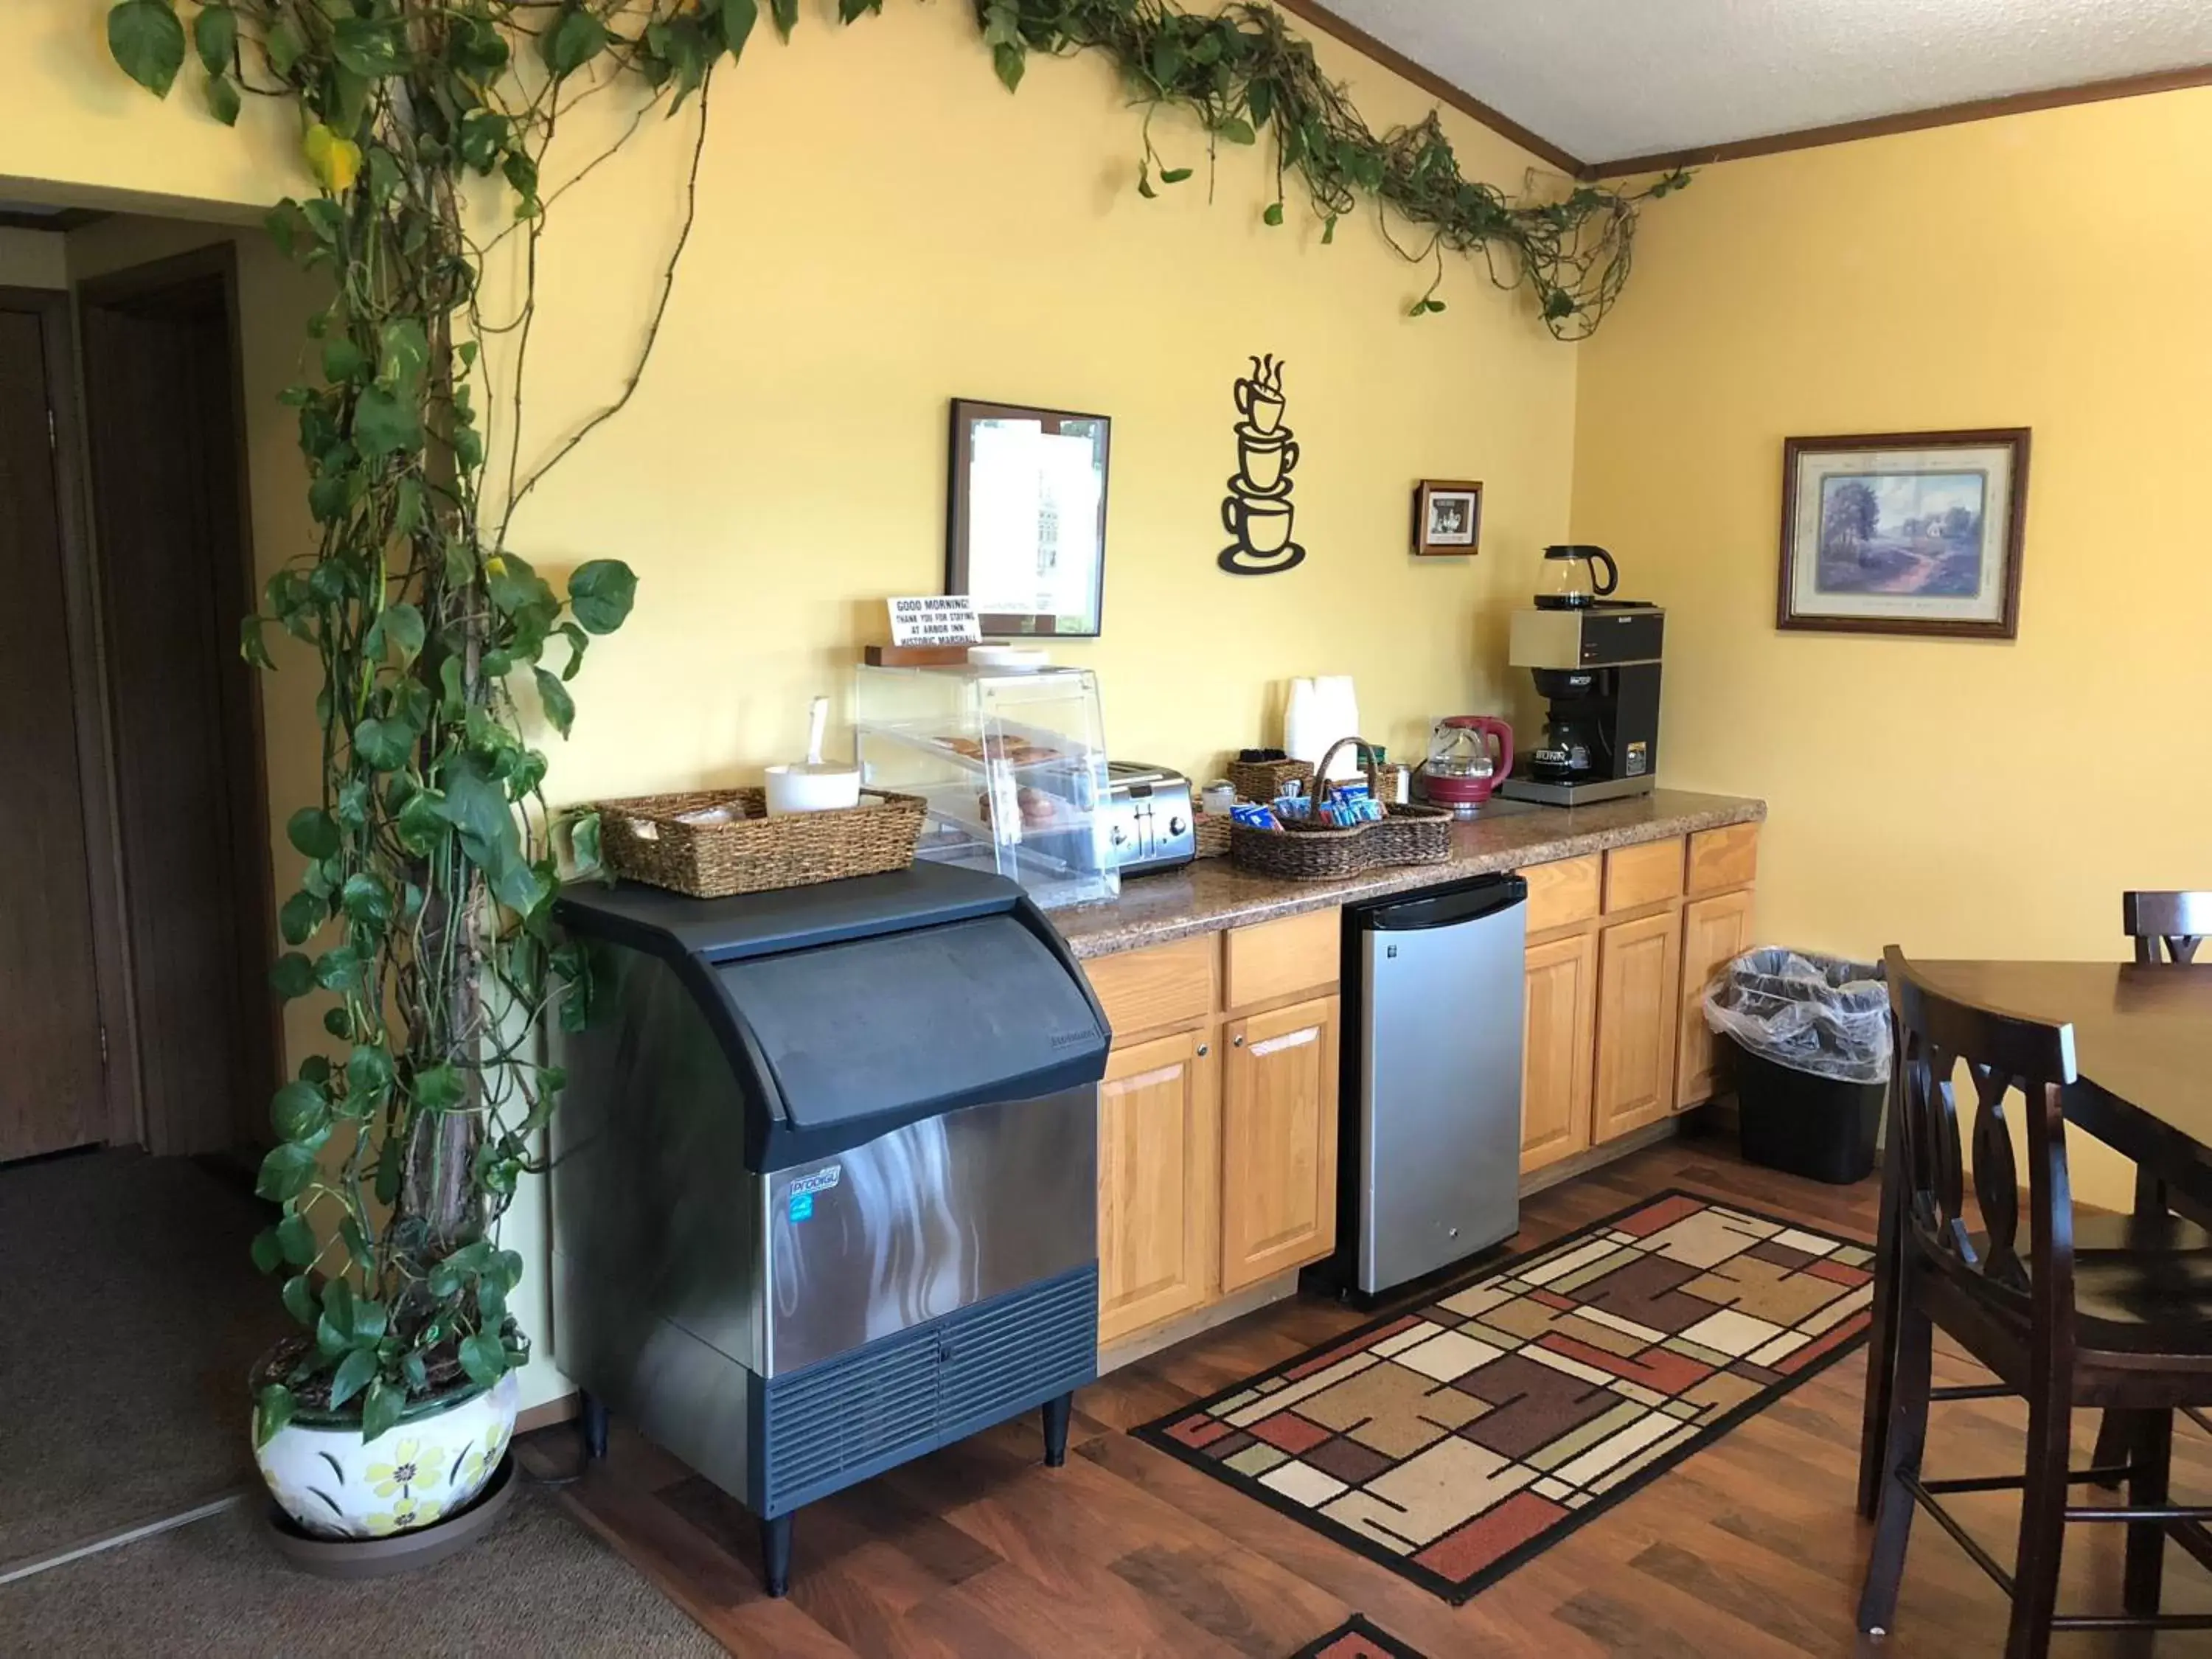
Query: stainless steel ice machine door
x=1438, y=1072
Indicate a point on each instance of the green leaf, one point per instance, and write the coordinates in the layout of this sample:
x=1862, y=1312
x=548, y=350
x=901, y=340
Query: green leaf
x=577, y=640
x=296, y=1240
x=388, y=1172
x=786, y=13
x=343, y=361
x=299, y=1299
x=1328, y=230
x=370, y=1322
x=738, y=17
x=367, y=899
x=1166, y=58
x=341, y=971
x=403, y=355
x=584, y=843
x=297, y=1111
x=1260, y=101
x=352, y=1375
x=421, y=824
x=1237, y=131
x=286, y=1171
x=1174, y=175
x=282, y=44
x=370, y=48
x=145, y=37
x=215, y=37
x=600, y=594
x=251, y=645
x=338, y=1314
x=338, y=1022
x=417, y=1374
x=577, y=37
x=272, y=1410
x=400, y=626
x=312, y=832
x=438, y=1088
x=484, y=1359
x=1273, y=215
x=385, y=423
x=268, y=1254
x=294, y=975
x=223, y=99
x=1009, y=60
x=560, y=707
x=356, y=1244
x=384, y=744
x=380, y=1410
x=369, y=1076
x=302, y=914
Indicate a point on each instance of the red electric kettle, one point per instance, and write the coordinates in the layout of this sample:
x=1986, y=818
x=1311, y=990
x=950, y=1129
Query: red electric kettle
x=1460, y=772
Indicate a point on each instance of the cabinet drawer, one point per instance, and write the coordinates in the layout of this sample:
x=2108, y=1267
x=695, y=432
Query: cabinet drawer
x=1636, y=876
x=1564, y=892
x=1721, y=858
x=1160, y=985
x=1282, y=958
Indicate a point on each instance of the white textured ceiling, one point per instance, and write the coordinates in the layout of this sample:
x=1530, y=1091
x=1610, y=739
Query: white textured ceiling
x=1608, y=79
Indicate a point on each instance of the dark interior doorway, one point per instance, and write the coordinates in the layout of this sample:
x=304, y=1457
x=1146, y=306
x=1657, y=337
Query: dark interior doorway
x=52, y=1084
x=164, y=417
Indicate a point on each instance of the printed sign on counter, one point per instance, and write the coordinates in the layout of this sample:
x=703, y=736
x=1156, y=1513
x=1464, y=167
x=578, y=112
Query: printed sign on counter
x=934, y=619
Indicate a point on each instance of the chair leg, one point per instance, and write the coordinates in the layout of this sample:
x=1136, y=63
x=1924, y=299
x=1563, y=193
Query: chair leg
x=1911, y=1377
x=2041, y=1524
x=2114, y=1441
x=2151, y=1443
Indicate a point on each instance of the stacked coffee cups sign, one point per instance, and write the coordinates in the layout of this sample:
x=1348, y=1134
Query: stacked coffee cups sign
x=1257, y=511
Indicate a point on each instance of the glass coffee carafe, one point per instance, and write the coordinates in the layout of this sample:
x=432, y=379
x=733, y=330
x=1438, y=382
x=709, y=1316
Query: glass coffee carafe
x=1571, y=581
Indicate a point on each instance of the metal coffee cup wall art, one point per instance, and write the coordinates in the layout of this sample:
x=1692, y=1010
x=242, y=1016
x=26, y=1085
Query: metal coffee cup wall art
x=1257, y=511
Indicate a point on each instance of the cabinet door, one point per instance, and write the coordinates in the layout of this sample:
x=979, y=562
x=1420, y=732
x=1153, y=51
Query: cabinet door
x=1639, y=977
x=1555, y=1050
x=1158, y=1120
x=1714, y=930
x=1277, y=1142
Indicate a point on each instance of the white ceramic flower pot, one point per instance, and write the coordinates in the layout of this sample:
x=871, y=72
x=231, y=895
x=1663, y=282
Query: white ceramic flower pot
x=429, y=1467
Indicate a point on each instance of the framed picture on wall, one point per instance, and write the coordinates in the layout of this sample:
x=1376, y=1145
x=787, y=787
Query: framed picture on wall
x=1903, y=533
x=1446, y=518
x=1025, y=520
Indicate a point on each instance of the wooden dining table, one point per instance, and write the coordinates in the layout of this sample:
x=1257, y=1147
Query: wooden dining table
x=2143, y=1046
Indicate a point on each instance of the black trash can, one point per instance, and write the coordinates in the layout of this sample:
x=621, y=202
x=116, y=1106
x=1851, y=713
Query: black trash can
x=1811, y=1041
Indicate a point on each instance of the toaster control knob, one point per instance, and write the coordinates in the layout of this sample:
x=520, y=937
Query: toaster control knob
x=1176, y=826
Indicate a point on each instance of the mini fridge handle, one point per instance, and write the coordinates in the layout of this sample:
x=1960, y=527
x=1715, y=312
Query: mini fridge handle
x=1483, y=897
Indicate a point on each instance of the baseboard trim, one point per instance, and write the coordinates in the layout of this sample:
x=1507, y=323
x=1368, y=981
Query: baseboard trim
x=1598, y=1157
x=561, y=1408
x=1129, y=1349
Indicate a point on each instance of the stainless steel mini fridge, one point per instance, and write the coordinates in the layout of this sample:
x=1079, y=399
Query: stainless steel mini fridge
x=1429, y=1165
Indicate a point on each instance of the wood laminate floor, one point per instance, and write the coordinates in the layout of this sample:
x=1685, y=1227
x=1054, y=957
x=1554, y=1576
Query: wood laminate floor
x=1750, y=1548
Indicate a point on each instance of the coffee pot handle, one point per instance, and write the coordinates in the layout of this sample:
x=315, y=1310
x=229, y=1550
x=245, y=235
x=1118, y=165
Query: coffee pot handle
x=1612, y=571
x=1499, y=729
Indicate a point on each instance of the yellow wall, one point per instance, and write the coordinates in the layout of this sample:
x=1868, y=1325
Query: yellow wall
x=2046, y=270
x=881, y=228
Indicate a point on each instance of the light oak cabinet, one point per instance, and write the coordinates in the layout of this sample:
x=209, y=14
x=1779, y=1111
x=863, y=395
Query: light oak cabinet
x=1621, y=946
x=1715, y=932
x=1561, y=1003
x=1216, y=1119
x=1158, y=1154
x=1279, y=1142
x=1639, y=977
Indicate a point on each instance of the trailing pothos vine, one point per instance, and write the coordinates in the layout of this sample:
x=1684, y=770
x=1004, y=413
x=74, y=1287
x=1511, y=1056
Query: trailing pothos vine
x=423, y=906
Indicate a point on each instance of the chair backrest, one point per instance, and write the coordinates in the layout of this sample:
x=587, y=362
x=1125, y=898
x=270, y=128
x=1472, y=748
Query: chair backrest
x=1933, y=1034
x=2182, y=921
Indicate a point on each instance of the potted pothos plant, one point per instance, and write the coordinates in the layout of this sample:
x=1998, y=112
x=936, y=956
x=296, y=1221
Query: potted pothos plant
x=422, y=912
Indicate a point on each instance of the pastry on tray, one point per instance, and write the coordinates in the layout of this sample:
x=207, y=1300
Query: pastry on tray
x=1015, y=752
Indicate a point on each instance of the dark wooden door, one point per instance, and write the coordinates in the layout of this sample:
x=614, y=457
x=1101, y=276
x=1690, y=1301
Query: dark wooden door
x=52, y=1093
x=161, y=406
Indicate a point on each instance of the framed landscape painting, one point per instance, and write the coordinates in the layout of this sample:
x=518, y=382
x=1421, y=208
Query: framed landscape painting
x=1903, y=533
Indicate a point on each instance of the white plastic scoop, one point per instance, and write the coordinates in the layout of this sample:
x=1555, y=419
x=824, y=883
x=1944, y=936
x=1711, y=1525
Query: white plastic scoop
x=814, y=785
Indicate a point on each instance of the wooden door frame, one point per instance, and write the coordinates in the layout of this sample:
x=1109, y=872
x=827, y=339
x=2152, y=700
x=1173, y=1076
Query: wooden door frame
x=123, y=1101
x=250, y=803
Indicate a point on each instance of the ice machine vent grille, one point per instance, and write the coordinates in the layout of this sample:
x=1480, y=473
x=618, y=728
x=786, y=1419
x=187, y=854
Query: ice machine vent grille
x=897, y=1398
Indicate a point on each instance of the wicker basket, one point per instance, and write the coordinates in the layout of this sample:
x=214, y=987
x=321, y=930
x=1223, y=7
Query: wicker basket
x=1300, y=851
x=1263, y=780
x=645, y=839
x=1212, y=830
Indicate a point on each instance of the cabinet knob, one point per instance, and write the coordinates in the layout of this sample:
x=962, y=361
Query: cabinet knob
x=1204, y=1049
x=1237, y=1041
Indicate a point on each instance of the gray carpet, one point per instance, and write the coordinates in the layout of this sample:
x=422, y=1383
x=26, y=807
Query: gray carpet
x=539, y=1584
x=129, y=1313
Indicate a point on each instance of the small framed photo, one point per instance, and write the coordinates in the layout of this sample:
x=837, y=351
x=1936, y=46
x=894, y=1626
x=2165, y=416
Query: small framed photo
x=1446, y=518
x=1025, y=518
x=1903, y=533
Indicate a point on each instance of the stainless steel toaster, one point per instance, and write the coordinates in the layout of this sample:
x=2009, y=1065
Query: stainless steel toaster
x=1151, y=824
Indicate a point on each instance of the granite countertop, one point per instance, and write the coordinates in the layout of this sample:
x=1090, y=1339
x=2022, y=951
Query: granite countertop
x=1212, y=894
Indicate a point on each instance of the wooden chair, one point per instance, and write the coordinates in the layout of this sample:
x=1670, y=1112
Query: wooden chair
x=2124, y=1322
x=2181, y=921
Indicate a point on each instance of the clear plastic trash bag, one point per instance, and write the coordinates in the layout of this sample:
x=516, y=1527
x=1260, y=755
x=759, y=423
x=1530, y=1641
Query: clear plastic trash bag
x=1820, y=1015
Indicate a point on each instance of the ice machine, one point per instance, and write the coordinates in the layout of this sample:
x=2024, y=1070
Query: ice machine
x=824, y=1189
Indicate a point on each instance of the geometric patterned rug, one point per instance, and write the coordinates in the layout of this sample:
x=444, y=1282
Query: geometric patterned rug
x=1453, y=1442
x=1355, y=1638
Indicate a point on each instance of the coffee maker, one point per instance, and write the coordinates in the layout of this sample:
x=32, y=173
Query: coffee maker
x=1596, y=667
